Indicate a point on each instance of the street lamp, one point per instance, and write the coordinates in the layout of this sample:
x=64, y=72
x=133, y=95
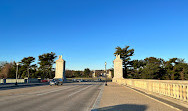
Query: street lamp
x=105, y=74
x=28, y=75
x=17, y=73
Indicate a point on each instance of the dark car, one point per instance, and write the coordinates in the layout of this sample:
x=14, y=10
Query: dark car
x=56, y=82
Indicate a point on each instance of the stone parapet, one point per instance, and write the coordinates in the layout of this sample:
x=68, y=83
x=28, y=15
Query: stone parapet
x=177, y=89
x=14, y=80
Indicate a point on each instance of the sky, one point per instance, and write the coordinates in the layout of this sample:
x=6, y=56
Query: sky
x=86, y=32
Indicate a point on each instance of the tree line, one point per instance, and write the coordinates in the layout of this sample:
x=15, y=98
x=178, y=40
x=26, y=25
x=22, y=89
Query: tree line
x=152, y=67
x=73, y=73
x=27, y=68
x=43, y=68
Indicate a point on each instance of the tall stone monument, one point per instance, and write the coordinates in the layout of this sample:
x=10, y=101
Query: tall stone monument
x=109, y=74
x=118, y=68
x=93, y=74
x=60, y=68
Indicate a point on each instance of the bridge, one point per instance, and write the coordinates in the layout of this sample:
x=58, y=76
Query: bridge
x=119, y=95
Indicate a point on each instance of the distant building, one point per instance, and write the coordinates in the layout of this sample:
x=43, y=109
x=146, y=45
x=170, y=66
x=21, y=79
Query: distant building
x=98, y=73
x=101, y=73
x=109, y=73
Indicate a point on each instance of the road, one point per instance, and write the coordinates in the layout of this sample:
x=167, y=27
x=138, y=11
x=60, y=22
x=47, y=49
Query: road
x=69, y=97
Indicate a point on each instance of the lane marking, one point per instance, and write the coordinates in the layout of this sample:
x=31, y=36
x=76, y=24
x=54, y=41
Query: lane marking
x=78, y=91
x=43, y=91
x=54, y=91
x=50, y=91
x=154, y=99
x=31, y=92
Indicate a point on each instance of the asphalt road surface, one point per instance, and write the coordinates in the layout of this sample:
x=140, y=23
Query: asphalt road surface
x=69, y=97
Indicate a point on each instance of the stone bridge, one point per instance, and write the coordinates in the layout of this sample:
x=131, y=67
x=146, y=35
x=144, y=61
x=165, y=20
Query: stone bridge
x=171, y=91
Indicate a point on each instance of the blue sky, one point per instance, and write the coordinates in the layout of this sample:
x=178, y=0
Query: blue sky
x=86, y=32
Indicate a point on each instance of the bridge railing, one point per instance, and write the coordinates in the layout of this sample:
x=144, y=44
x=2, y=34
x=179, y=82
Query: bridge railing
x=177, y=89
x=9, y=81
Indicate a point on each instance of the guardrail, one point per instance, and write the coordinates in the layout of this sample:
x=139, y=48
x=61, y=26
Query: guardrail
x=177, y=89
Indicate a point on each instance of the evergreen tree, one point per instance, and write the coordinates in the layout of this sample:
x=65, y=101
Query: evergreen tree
x=46, y=62
x=125, y=54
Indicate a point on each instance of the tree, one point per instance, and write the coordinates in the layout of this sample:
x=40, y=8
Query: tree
x=180, y=69
x=152, y=68
x=125, y=54
x=137, y=66
x=33, y=70
x=169, y=66
x=185, y=71
x=26, y=64
x=8, y=70
x=46, y=61
x=176, y=68
x=87, y=72
x=2, y=64
x=5, y=70
x=77, y=73
x=69, y=73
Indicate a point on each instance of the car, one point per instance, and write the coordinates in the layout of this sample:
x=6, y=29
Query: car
x=99, y=80
x=44, y=81
x=80, y=80
x=56, y=82
x=74, y=80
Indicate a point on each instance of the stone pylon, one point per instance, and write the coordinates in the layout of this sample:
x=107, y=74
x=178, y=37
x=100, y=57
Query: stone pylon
x=60, y=69
x=93, y=75
x=118, y=67
x=109, y=74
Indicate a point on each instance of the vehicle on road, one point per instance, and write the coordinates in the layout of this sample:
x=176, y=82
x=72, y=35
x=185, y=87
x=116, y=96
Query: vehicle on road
x=74, y=80
x=77, y=80
x=44, y=80
x=56, y=82
x=80, y=80
x=99, y=79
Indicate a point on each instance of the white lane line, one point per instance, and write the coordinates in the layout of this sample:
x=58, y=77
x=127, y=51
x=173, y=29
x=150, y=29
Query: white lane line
x=3, y=98
x=78, y=91
x=54, y=91
x=43, y=91
x=33, y=92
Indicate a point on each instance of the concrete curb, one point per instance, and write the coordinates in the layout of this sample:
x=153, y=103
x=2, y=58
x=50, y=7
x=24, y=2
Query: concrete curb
x=97, y=101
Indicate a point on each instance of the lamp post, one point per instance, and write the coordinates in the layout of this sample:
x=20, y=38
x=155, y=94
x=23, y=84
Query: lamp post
x=17, y=73
x=28, y=75
x=105, y=74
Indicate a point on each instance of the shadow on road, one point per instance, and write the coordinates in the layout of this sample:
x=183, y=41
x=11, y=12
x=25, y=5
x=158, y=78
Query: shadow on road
x=21, y=86
x=123, y=107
